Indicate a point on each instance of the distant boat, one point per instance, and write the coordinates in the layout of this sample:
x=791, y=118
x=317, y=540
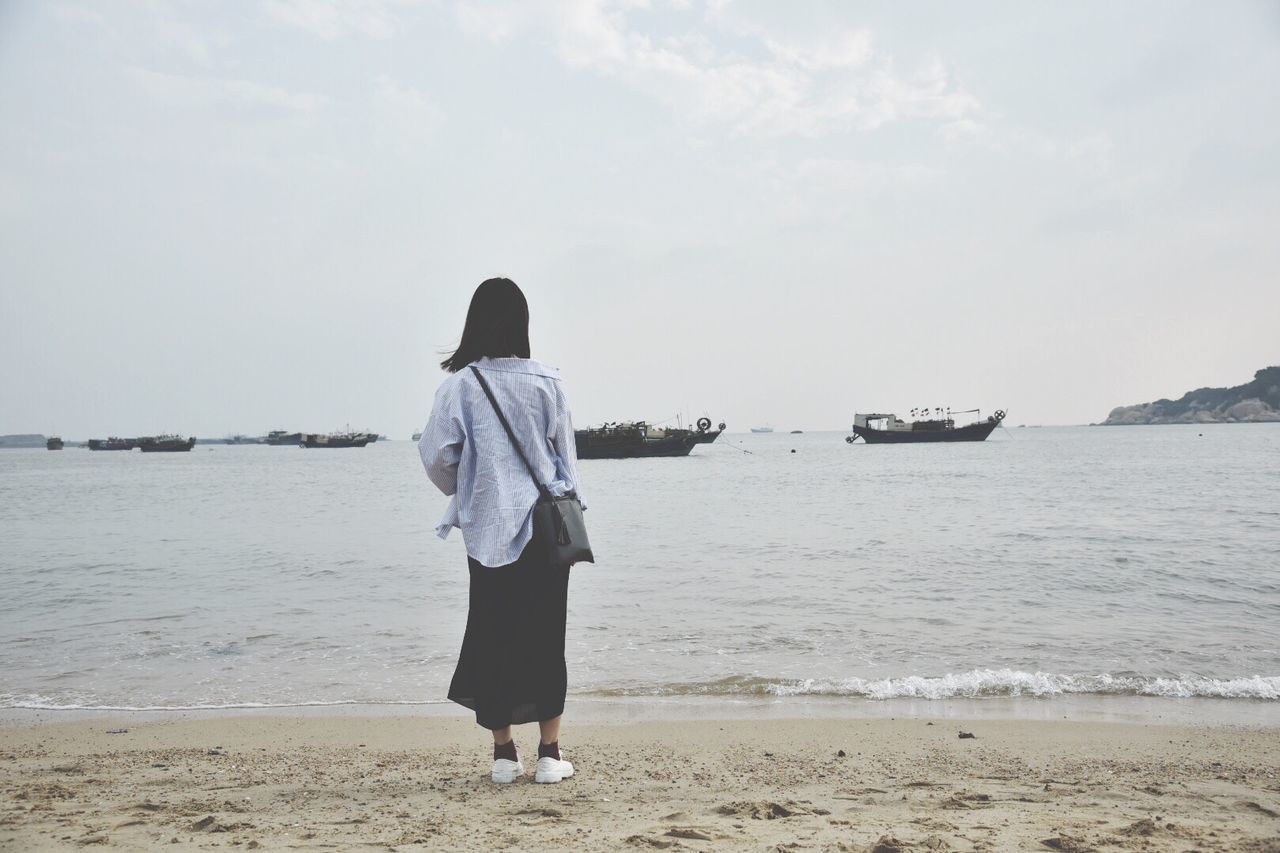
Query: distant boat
x=797, y=432
x=280, y=438
x=244, y=439
x=417, y=436
x=166, y=444
x=113, y=443
x=631, y=441
x=54, y=443
x=888, y=429
x=762, y=429
x=337, y=439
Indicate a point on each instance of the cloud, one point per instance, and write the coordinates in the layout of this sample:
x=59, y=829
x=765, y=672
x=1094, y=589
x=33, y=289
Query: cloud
x=332, y=19
x=235, y=95
x=748, y=78
x=77, y=13
x=404, y=118
x=856, y=175
x=495, y=22
x=156, y=30
x=845, y=49
x=1092, y=154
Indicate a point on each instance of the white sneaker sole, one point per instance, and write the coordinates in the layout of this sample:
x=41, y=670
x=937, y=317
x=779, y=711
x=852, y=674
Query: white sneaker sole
x=505, y=772
x=551, y=775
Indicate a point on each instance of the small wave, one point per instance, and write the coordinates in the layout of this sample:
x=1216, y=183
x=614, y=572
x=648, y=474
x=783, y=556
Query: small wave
x=40, y=705
x=974, y=684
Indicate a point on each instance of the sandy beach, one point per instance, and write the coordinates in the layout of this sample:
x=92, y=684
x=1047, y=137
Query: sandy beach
x=347, y=782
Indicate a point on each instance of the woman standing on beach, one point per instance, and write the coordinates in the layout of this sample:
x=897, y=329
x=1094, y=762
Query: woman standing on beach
x=511, y=668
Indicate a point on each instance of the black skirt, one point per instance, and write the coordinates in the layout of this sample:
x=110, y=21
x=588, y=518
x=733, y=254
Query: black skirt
x=511, y=668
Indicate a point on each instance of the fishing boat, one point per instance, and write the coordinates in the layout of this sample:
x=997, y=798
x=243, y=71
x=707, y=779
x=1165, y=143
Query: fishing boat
x=337, y=439
x=932, y=425
x=631, y=441
x=54, y=443
x=244, y=439
x=704, y=434
x=166, y=443
x=113, y=443
x=280, y=438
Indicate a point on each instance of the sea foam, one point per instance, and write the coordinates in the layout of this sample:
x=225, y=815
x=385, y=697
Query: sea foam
x=977, y=683
x=973, y=684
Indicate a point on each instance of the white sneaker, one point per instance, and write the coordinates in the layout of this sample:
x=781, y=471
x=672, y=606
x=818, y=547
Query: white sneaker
x=552, y=770
x=506, y=771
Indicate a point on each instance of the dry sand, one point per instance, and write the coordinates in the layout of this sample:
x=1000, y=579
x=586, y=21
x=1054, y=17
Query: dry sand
x=255, y=782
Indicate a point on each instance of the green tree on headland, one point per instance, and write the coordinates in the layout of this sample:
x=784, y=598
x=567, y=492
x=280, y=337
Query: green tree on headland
x=1253, y=402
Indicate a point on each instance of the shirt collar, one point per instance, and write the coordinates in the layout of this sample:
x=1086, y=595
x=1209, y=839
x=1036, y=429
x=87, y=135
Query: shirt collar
x=518, y=365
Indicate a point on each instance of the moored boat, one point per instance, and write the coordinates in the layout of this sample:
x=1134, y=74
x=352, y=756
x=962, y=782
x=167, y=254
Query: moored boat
x=337, y=439
x=631, y=441
x=54, y=443
x=113, y=443
x=166, y=443
x=280, y=438
x=704, y=434
x=883, y=428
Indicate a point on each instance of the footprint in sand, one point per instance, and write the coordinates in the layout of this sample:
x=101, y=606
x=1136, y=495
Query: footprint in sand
x=763, y=810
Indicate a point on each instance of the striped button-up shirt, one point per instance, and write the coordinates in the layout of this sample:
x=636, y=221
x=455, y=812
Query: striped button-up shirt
x=469, y=456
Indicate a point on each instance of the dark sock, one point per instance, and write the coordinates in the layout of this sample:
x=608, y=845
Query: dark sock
x=506, y=750
x=549, y=749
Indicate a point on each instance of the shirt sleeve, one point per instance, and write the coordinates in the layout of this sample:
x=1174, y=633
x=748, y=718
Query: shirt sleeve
x=562, y=441
x=442, y=438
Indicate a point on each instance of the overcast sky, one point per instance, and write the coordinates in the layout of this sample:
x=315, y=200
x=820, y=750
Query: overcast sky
x=234, y=217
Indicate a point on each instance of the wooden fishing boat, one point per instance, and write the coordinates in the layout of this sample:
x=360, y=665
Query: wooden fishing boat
x=633, y=440
x=882, y=428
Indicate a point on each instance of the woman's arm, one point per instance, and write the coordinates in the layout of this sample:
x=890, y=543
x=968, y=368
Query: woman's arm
x=442, y=438
x=562, y=442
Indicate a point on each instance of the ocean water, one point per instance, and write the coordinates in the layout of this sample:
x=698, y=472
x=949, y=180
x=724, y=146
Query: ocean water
x=1040, y=564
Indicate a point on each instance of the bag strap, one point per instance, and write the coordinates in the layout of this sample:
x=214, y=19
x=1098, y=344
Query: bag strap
x=488, y=392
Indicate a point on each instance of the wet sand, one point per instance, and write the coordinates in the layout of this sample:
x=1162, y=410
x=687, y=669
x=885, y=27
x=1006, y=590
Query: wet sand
x=250, y=782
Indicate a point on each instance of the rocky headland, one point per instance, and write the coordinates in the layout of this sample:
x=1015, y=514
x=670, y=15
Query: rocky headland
x=23, y=440
x=1254, y=402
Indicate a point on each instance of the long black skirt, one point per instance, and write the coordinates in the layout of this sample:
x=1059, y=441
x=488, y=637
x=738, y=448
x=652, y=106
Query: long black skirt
x=511, y=668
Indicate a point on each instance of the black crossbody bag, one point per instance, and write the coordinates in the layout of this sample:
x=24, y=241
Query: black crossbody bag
x=559, y=531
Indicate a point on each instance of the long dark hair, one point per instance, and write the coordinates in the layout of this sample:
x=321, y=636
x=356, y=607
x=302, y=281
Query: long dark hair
x=497, y=325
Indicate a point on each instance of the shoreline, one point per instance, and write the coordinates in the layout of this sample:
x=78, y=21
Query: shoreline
x=421, y=782
x=619, y=710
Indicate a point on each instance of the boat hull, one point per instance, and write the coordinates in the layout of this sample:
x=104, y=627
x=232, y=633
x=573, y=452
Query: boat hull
x=109, y=444
x=709, y=436
x=317, y=442
x=972, y=432
x=637, y=448
x=181, y=445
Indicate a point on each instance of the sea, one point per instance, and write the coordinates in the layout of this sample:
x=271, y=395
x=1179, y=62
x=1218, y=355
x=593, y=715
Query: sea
x=771, y=570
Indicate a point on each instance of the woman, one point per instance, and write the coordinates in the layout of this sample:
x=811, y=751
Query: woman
x=511, y=668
